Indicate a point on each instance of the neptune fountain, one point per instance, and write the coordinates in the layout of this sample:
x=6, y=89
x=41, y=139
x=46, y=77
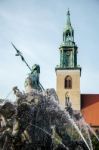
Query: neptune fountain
x=35, y=121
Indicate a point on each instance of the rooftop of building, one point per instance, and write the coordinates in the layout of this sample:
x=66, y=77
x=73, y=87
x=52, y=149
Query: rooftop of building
x=90, y=108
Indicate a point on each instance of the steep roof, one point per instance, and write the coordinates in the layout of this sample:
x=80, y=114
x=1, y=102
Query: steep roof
x=90, y=108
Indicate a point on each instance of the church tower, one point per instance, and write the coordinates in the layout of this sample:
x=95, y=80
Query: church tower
x=68, y=72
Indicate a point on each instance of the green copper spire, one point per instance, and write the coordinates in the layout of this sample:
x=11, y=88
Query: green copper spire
x=68, y=33
x=68, y=48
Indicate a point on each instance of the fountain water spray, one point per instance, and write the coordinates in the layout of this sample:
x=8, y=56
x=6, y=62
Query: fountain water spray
x=76, y=127
x=93, y=132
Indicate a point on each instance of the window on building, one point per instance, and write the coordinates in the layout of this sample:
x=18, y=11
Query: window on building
x=68, y=82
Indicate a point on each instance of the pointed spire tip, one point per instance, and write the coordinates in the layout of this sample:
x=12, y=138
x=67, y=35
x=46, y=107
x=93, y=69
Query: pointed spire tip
x=68, y=12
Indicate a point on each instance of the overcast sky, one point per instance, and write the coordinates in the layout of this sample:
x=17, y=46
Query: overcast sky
x=36, y=27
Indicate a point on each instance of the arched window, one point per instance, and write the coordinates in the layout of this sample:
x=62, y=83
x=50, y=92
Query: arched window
x=68, y=82
x=68, y=33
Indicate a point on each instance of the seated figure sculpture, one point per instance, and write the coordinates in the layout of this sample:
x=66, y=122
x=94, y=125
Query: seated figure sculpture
x=32, y=81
